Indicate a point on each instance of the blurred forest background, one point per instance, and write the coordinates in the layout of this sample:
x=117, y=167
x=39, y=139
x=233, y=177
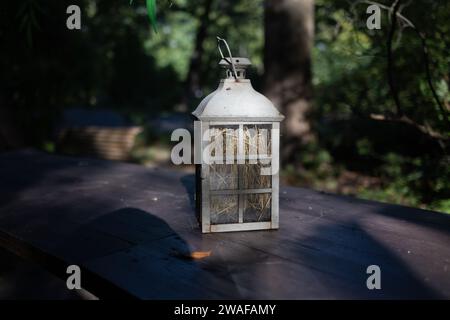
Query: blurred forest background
x=367, y=111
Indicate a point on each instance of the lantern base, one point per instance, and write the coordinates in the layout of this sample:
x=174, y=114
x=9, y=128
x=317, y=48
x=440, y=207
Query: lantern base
x=230, y=227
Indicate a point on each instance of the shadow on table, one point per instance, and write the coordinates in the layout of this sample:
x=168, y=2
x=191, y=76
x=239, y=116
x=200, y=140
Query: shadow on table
x=140, y=254
x=188, y=182
x=325, y=256
x=342, y=236
x=27, y=169
x=132, y=253
x=24, y=280
x=344, y=256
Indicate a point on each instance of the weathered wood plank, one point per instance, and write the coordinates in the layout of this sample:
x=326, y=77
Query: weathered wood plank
x=134, y=227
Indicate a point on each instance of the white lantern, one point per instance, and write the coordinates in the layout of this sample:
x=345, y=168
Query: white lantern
x=237, y=180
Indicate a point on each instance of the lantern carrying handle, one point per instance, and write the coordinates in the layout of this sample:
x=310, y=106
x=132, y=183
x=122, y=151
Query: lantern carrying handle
x=230, y=62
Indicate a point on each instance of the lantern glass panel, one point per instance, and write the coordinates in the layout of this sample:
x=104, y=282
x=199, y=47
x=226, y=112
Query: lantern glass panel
x=224, y=141
x=252, y=177
x=257, y=140
x=257, y=207
x=224, y=209
x=223, y=176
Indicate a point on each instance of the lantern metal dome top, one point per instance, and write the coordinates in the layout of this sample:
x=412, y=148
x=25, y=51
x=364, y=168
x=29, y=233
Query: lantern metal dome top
x=235, y=99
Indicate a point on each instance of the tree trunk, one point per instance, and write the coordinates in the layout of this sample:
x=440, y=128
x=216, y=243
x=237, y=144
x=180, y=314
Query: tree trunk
x=289, y=32
x=192, y=84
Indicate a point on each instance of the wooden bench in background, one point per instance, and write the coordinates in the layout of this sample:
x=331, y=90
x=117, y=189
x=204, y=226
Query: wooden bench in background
x=111, y=143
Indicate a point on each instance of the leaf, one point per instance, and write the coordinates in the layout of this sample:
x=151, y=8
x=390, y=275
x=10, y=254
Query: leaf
x=151, y=11
x=195, y=255
x=200, y=254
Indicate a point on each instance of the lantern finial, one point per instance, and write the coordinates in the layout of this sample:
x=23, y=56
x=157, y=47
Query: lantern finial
x=235, y=67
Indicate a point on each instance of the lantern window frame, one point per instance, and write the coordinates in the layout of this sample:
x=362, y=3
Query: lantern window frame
x=205, y=192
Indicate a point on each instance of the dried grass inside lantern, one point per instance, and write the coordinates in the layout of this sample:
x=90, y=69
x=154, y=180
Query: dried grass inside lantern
x=224, y=209
x=257, y=151
x=257, y=141
x=257, y=207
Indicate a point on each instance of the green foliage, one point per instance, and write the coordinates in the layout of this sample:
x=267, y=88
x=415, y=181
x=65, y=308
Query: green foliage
x=117, y=62
x=350, y=78
x=441, y=205
x=151, y=11
x=172, y=46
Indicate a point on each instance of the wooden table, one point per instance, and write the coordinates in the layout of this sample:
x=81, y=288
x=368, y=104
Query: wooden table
x=132, y=230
